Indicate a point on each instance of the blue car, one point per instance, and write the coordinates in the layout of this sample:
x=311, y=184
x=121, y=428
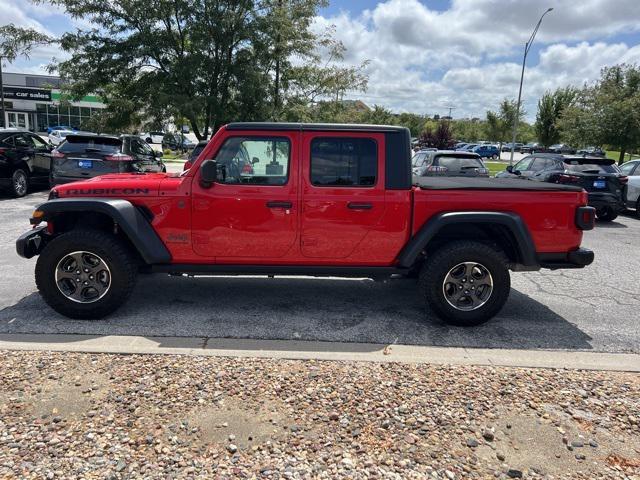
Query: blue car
x=487, y=151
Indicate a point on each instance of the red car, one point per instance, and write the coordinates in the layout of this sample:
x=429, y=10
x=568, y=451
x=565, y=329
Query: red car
x=320, y=200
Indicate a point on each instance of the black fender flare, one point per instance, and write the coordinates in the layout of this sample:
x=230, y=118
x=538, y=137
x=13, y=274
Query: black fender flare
x=129, y=219
x=525, y=248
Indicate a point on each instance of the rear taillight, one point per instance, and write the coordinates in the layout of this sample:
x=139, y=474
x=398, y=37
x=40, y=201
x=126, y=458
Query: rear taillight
x=623, y=180
x=187, y=165
x=564, y=178
x=585, y=218
x=118, y=157
x=247, y=168
x=57, y=154
x=437, y=169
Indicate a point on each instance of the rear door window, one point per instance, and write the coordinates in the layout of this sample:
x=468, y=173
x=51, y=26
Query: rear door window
x=344, y=162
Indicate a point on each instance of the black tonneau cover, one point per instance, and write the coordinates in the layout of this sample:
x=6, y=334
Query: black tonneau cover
x=480, y=183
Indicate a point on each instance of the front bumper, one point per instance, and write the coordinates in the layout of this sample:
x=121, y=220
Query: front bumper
x=31, y=243
x=578, y=258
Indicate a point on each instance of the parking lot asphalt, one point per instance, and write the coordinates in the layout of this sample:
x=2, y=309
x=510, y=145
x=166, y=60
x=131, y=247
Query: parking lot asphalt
x=594, y=309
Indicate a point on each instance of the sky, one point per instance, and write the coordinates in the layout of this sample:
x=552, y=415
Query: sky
x=426, y=56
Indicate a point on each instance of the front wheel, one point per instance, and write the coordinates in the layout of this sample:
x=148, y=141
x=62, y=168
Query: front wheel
x=465, y=283
x=85, y=274
x=19, y=183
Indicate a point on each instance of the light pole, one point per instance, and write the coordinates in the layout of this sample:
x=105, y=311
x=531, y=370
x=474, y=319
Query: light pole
x=1, y=96
x=527, y=46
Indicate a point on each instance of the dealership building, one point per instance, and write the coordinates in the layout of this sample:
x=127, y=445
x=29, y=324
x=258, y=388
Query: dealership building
x=34, y=102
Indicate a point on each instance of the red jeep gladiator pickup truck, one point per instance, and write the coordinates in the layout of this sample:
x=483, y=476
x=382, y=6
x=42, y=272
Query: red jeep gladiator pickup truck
x=304, y=199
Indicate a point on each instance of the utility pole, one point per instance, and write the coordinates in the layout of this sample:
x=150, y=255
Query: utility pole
x=527, y=46
x=450, y=109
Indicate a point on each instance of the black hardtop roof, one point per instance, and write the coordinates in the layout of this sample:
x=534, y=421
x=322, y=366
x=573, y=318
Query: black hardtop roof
x=336, y=127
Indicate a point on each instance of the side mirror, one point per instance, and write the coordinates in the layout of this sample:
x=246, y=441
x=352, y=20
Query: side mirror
x=510, y=168
x=255, y=160
x=208, y=173
x=158, y=153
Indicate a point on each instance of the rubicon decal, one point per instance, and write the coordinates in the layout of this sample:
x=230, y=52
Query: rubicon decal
x=108, y=191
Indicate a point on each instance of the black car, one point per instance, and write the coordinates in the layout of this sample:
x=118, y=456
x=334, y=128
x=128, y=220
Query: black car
x=83, y=156
x=533, y=147
x=174, y=141
x=562, y=148
x=25, y=161
x=448, y=163
x=600, y=177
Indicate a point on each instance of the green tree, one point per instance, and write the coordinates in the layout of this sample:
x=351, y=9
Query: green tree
x=499, y=125
x=550, y=108
x=210, y=61
x=608, y=112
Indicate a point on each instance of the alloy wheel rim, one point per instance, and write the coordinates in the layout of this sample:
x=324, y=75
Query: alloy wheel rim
x=20, y=183
x=83, y=277
x=467, y=286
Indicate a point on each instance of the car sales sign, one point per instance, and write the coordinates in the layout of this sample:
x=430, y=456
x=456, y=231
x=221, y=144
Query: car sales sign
x=17, y=93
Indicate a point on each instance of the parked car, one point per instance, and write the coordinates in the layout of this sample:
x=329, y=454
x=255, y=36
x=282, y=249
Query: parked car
x=507, y=147
x=487, y=151
x=25, y=161
x=562, y=148
x=83, y=156
x=152, y=137
x=532, y=147
x=467, y=148
x=459, y=145
x=174, y=141
x=592, y=152
x=631, y=193
x=58, y=127
x=194, y=154
x=325, y=200
x=448, y=163
x=56, y=137
x=599, y=176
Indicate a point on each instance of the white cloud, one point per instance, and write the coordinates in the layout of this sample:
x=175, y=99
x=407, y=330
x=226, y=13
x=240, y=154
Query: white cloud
x=468, y=56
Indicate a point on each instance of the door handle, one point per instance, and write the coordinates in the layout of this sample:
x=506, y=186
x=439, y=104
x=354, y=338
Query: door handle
x=359, y=206
x=277, y=204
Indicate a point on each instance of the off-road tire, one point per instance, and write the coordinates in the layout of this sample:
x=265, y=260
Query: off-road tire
x=122, y=265
x=438, y=265
x=606, y=215
x=19, y=175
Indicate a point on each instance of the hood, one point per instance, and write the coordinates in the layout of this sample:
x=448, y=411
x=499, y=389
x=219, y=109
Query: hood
x=113, y=185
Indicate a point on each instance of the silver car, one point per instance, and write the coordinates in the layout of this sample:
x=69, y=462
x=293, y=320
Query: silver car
x=632, y=190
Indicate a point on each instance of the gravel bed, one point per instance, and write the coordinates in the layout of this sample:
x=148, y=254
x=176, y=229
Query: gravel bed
x=86, y=416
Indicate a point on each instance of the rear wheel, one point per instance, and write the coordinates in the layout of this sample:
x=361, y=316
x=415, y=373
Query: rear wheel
x=85, y=274
x=19, y=183
x=607, y=214
x=494, y=157
x=465, y=283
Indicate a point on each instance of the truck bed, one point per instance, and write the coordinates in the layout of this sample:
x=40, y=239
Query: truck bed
x=480, y=183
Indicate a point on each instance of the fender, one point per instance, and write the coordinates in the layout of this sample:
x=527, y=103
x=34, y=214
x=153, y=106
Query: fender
x=130, y=220
x=525, y=247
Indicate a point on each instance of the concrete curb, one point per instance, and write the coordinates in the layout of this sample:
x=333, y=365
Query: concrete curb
x=302, y=350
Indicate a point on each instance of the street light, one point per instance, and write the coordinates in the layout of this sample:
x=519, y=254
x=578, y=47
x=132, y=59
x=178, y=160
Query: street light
x=527, y=46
